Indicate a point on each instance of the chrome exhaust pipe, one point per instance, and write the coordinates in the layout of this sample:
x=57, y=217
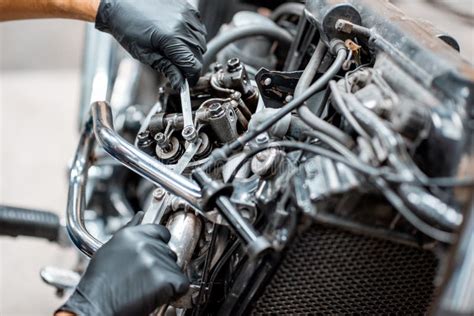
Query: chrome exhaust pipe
x=100, y=124
x=185, y=229
x=138, y=161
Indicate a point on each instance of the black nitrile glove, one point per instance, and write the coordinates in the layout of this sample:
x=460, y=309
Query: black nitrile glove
x=132, y=274
x=165, y=34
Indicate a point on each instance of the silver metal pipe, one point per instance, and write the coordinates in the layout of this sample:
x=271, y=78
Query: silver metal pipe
x=125, y=84
x=97, y=69
x=185, y=229
x=138, y=161
x=76, y=228
x=101, y=124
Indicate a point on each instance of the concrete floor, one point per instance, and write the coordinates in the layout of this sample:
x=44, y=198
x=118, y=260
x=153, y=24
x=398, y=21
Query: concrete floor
x=37, y=140
x=39, y=93
x=39, y=89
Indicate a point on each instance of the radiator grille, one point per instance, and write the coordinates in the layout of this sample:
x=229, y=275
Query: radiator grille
x=332, y=271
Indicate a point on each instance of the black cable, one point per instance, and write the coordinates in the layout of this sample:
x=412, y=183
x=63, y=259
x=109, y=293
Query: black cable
x=381, y=183
x=337, y=146
x=342, y=107
x=347, y=74
x=305, y=113
x=450, y=182
x=398, y=204
x=356, y=165
x=226, y=150
x=295, y=103
x=219, y=266
x=290, y=8
x=371, y=121
x=393, y=177
x=207, y=265
x=304, y=82
x=311, y=69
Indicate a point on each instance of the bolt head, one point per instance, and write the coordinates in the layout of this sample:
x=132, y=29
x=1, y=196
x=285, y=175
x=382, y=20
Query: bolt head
x=159, y=193
x=189, y=133
x=143, y=135
x=160, y=138
x=262, y=139
x=216, y=109
x=217, y=67
x=233, y=64
x=267, y=82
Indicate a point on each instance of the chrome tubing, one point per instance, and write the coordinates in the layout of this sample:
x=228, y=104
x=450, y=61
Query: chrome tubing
x=185, y=229
x=100, y=125
x=76, y=228
x=96, y=77
x=138, y=161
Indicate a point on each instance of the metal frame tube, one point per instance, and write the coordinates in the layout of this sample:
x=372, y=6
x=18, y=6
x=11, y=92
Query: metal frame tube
x=138, y=161
x=100, y=125
x=76, y=228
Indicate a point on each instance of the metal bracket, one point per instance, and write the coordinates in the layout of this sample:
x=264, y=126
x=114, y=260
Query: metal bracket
x=276, y=87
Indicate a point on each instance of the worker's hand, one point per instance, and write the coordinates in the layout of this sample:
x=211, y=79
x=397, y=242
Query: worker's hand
x=165, y=34
x=132, y=274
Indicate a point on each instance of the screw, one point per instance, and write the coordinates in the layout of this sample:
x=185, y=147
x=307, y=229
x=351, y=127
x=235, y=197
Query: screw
x=189, y=133
x=217, y=67
x=339, y=25
x=159, y=193
x=143, y=136
x=267, y=82
x=144, y=140
x=188, y=130
x=262, y=139
x=216, y=109
x=288, y=98
x=162, y=142
x=233, y=64
x=160, y=138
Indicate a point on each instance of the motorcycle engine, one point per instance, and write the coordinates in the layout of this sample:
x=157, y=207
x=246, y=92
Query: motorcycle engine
x=315, y=167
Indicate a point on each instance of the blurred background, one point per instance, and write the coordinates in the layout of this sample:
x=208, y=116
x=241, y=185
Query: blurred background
x=39, y=96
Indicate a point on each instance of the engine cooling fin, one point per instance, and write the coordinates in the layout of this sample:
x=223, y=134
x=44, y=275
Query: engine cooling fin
x=331, y=271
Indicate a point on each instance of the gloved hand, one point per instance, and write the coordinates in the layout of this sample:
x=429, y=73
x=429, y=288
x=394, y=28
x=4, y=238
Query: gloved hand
x=132, y=274
x=165, y=34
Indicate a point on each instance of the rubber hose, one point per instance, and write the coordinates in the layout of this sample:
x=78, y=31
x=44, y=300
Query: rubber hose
x=295, y=103
x=222, y=40
x=16, y=221
x=308, y=117
x=311, y=69
x=291, y=8
x=429, y=207
x=317, y=86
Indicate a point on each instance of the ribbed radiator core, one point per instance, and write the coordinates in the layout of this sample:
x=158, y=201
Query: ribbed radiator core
x=331, y=271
